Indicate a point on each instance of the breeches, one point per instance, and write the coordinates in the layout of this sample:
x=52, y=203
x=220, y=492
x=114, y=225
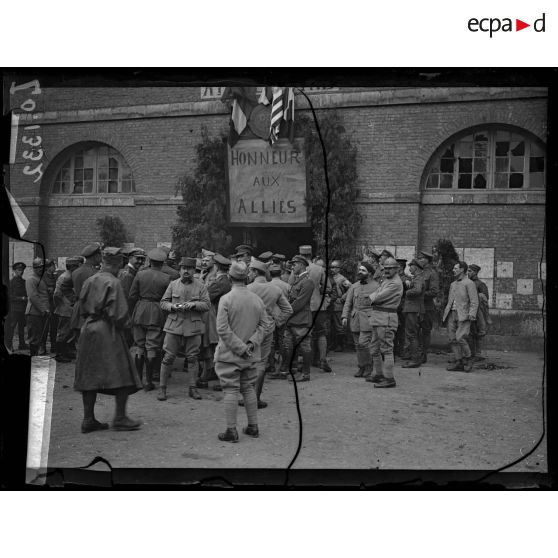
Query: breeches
x=382, y=341
x=148, y=339
x=172, y=345
x=293, y=335
x=235, y=376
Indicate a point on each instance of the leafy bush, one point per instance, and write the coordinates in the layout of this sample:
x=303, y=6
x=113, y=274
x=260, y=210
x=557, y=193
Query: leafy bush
x=112, y=231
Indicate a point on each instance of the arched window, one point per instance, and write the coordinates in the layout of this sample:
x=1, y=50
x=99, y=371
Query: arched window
x=490, y=158
x=94, y=170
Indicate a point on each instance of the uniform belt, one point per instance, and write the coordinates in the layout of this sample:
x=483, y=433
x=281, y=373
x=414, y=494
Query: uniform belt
x=384, y=309
x=150, y=299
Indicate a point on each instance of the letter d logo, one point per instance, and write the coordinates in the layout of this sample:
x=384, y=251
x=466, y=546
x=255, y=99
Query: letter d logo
x=536, y=24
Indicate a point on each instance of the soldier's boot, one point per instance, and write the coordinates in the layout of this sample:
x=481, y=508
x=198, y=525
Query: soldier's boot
x=165, y=369
x=306, y=363
x=322, y=347
x=149, y=365
x=467, y=364
x=376, y=370
x=156, y=368
x=457, y=365
x=193, y=367
x=139, y=361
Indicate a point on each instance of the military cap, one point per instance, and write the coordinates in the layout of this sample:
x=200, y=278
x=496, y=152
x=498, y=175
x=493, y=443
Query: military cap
x=390, y=262
x=137, y=253
x=427, y=255
x=243, y=249
x=91, y=249
x=368, y=266
x=387, y=253
x=374, y=253
x=38, y=262
x=73, y=261
x=221, y=260
x=305, y=250
x=157, y=255
x=18, y=264
x=401, y=261
x=475, y=268
x=265, y=256
x=112, y=254
x=206, y=253
x=188, y=262
x=256, y=264
x=280, y=257
x=275, y=267
x=415, y=262
x=299, y=258
x=238, y=270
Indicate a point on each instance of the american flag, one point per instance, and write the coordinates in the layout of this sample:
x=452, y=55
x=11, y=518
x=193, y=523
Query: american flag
x=276, y=114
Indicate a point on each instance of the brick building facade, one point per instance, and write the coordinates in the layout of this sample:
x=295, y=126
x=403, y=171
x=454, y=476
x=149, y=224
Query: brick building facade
x=401, y=134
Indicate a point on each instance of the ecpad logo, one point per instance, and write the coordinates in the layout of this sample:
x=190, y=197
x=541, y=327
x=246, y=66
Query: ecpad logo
x=493, y=25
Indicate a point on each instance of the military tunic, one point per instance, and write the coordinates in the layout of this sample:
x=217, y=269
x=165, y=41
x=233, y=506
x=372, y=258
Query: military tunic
x=104, y=363
x=146, y=292
x=184, y=325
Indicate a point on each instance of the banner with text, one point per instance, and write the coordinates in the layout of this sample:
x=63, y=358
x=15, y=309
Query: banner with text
x=267, y=185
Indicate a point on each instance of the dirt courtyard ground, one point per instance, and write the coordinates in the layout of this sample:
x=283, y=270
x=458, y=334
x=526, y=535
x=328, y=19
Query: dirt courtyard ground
x=433, y=419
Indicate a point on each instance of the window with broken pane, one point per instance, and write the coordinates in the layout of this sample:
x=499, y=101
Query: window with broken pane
x=489, y=159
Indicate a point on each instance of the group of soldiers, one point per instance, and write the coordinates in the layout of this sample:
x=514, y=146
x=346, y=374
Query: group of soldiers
x=239, y=319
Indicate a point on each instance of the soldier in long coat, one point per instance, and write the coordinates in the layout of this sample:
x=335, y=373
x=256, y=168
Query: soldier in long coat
x=216, y=288
x=241, y=323
x=145, y=296
x=92, y=255
x=64, y=300
x=356, y=314
x=104, y=364
x=185, y=300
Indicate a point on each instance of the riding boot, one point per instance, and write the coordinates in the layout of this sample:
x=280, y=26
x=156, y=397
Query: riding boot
x=165, y=370
x=192, y=366
x=149, y=365
x=138, y=361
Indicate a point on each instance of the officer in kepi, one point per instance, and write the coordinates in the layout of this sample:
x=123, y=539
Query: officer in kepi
x=185, y=299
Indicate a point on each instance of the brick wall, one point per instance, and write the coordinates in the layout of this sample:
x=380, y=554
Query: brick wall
x=394, y=142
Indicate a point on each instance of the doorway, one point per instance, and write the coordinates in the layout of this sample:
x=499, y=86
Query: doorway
x=280, y=240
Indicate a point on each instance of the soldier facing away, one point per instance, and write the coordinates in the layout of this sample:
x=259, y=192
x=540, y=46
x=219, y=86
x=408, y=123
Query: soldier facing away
x=104, y=364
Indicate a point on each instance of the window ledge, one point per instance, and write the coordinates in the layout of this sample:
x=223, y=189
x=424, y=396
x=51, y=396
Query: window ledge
x=484, y=197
